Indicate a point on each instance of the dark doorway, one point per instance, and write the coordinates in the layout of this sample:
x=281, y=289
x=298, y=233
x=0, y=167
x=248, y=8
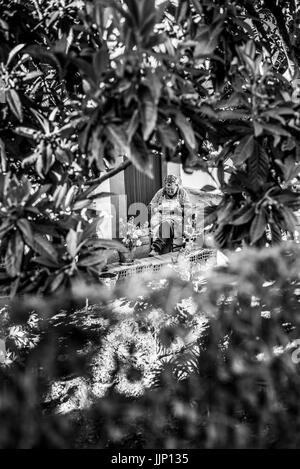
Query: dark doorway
x=139, y=187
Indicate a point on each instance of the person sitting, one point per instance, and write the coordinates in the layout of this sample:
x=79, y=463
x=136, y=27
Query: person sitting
x=170, y=207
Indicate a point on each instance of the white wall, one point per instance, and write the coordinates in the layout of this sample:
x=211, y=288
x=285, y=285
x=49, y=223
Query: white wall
x=193, y=181
x=103, y=205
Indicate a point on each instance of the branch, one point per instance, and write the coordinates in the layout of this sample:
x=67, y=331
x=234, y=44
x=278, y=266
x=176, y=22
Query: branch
x=110, y=174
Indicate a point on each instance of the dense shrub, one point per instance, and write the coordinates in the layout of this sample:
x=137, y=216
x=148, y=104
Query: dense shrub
x=238, y=386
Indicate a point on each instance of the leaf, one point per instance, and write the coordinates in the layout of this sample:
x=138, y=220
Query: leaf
x=135, y=9
x=149, y=114
x=14, y=103
x=276, y=233
x=14, y=255
x=93, y=259
x=245, y=217
x=3, y=160
x=258, y=166
x=48, y=158
x=25, y=228
x=5, y=227
x=276, y=131
x=5, y=181
x=226, y=212
x=119, y=140
x=207, y=40
x=258, y=128
x=59, y=194
x=244, y=150
x=90, y=230
x=168, y=136
x=132, y=125
x=101, y=195
x=221, y=173
x=63, y=155
x=287, y=197
x=289, y=167
x=232, y=115
x=100, y=62
x=186, y=129
x=46, y=262
x=56, y=282
x=45, y=124
x=43, y=247
x=258, y=227
x=33, y=75
x=42, y=190
x=108, y=244
x=208, y=188
x=141, y=157
x=81, y=204
x=154, y=84
x=25, y=132
x=290, y=219
x=14, y=52
x=96, y=148
x=71, y=240
x=70, y=196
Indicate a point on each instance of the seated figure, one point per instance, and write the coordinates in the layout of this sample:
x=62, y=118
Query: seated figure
x=170, y=208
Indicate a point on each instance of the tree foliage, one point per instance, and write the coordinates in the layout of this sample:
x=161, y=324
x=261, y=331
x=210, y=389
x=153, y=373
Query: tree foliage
x=84, y=83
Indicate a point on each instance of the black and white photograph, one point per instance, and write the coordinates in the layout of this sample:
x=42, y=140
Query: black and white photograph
x=150, y=227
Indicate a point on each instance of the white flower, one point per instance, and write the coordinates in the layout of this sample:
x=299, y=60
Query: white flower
x=139, y=242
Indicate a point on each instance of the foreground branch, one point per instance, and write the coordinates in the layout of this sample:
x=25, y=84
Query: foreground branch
x=110, y=174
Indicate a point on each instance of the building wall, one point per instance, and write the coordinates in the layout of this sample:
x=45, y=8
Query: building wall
x=192, y=181
x=114, y=207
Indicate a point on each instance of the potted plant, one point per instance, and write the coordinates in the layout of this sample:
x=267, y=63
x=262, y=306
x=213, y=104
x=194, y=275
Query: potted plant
x=131, y=238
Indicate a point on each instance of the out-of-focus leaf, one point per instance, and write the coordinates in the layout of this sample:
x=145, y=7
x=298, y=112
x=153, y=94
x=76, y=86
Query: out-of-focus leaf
x=43, y=247
x=3, y=160
x=245, y=217
x=14, y=52
x=119, y=139
x=71, y=240
x=14, y=255
x=186, y=129
x=56, y=282
x=14, y=103
x=45, y=261
x=149, y=114
x=108, y=244
x=26, y=230
x=289, y=218
x=92, y=259
x=168, y=136
x=140, y=156
x=244, y=150
x=258, y=226
x=100, y=62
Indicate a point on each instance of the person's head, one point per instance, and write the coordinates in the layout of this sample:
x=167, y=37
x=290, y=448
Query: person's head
x=171, y=184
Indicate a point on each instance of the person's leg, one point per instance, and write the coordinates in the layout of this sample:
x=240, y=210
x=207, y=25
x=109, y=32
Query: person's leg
x=178, y=237
x=162, y=244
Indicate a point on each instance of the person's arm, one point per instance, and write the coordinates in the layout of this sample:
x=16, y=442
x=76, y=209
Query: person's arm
x=156, y=201
x=185, y=202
